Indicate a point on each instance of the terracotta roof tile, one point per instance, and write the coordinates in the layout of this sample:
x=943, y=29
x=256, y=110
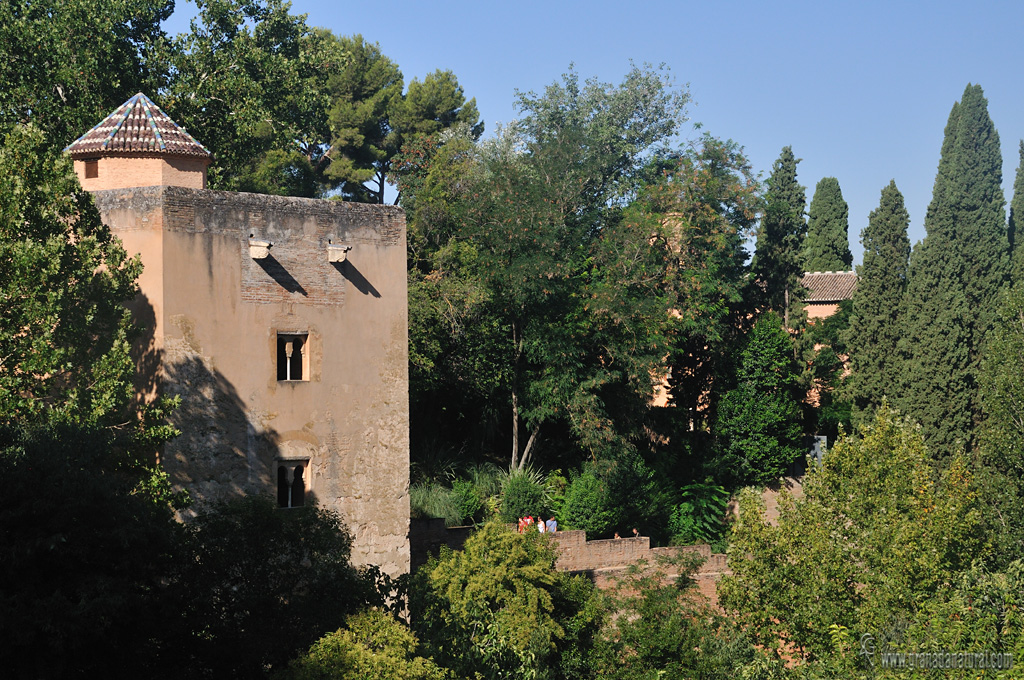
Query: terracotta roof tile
x=829, y=286
x=137, y=126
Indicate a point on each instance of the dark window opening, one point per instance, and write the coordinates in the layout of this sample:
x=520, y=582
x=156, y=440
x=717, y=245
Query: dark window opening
x=92, y=169
x=291, y=486
x=291, y=357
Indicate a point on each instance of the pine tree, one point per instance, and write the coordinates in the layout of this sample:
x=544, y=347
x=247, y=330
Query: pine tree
x=875, y=330
x=1017, y=221
x=955, y=274
x=827, y=246
x=777, y=261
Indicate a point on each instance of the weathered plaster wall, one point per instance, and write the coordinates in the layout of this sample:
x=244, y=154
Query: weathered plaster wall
x=821, y=310
x=214, y=314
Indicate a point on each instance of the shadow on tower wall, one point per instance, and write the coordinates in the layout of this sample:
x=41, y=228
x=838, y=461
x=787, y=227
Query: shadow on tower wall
x=222, y=452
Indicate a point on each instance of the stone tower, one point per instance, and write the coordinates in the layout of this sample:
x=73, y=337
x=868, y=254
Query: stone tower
x=280, y=322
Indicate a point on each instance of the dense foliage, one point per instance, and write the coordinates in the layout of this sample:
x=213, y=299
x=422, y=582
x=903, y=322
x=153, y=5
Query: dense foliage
x=499, y=609
x=64, y=333
x=561, y=273
x=827, y=246
x=875, y=328
x=759, y=419
x=96, y=567
x=954, y=276
x=778, y=261
x=372, y=646
x=878, y=535
x=547, y=296
x=64, y=65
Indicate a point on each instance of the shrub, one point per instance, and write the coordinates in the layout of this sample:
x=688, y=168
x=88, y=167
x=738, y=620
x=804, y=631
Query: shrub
x=466, y=501
x=522, y=493
x=698, y=518
x=557, y=486
x=499, y=608
x=432, y=500
x=375, y=647
x=486, y=477
x=587, y=505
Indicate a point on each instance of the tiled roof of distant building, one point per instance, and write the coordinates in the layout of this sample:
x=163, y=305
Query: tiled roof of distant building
x=137, y=126
x=829, y=286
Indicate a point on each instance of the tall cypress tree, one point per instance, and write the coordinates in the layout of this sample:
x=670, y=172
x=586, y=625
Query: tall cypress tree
x=777, y=261
x=1017, y=221
x=875, y=328
x=955, y=274
x=827, y=246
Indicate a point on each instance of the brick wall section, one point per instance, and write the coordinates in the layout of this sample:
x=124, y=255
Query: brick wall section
x=606, y=560
x=603, y=560
x=141, y=170
x=576, y=553
x=426, y=536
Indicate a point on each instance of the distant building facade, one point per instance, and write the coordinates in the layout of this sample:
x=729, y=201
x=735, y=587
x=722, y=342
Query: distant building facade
x=825, y=290
x=280, y=322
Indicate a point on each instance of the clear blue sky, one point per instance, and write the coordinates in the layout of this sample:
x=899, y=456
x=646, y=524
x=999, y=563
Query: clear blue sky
x=860, y=90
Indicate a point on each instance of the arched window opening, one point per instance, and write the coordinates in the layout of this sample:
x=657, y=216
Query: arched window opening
x=291, y=485
x=292, y=355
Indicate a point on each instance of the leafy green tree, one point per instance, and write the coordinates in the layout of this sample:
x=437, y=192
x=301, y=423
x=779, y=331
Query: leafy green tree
x=954, y=277
x=373, y=646
x=1016, y=223
x=552, y=288
x=661, y=626
x=435, y=104
x=588, y=506
x=877, y=535
x=66, y=65
x=704, y=205
x=498, y=609
x=85, y=555
x=827, y=246
x=433, y=109
x=778, y=261
x=875, y=329
x=64, y=333
x=1001, y=437
x=759, y=420
x=250, y=83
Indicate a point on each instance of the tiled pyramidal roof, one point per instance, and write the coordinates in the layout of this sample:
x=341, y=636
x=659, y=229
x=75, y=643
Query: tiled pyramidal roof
x=829, y=286
x=137, y=126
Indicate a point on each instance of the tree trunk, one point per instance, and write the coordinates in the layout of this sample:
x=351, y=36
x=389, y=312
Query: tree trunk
x=515, y=430
x=785, y=312
x=529, y=447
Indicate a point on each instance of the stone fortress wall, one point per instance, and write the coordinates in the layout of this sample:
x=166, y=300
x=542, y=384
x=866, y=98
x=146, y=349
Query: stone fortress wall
x=214, y=317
